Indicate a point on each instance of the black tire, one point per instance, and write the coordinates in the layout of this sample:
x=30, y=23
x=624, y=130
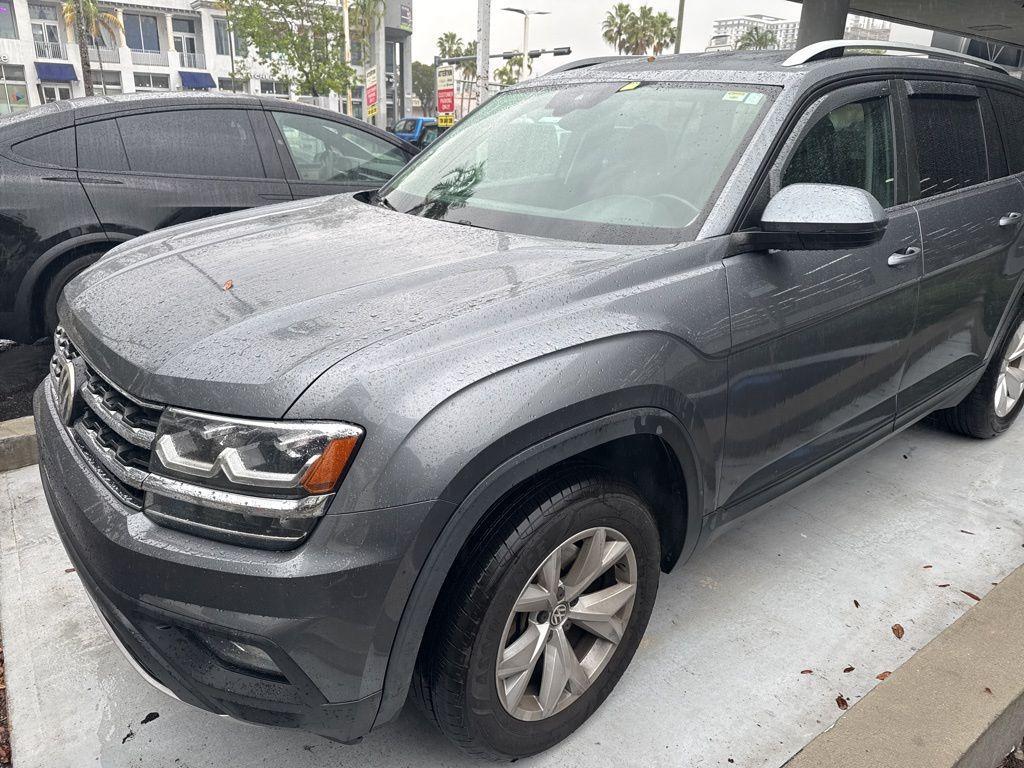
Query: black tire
x=455, y=681
x=56, y=284
x=976, y=415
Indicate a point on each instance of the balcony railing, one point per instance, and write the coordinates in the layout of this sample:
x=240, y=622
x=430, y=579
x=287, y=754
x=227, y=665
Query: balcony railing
x=50, y=50
x=191, y=61
x=150, y=58
x=104, y=54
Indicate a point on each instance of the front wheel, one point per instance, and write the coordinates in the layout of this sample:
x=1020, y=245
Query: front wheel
x=994, y=404
x=542, y=618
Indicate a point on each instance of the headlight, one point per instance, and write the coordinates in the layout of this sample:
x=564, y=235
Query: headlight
x=261, y=483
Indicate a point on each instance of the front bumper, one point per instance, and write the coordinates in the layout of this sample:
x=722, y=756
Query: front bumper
x=320, y=612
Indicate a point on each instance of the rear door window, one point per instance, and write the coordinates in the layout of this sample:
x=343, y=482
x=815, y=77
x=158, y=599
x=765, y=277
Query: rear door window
x=100, y=147
x=198, y=142
x=950, y=140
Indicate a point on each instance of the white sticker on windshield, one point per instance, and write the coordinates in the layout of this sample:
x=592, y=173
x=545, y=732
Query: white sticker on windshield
x=753, y=98
x=735, y=96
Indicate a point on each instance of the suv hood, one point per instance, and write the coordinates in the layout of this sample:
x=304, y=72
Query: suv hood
x=240, y=313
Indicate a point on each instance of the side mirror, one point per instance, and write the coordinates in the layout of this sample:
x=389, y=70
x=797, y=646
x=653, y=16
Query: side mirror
x=817, y=217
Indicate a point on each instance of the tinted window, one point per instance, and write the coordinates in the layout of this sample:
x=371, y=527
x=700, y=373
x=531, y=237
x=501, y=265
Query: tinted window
x=140, y=32
x=100, y=148
x=54, y=148
x=202, y=142
x=950, y=143
x=7, y=28
x=852, y=145
x=1010, y=110
x=326, y=151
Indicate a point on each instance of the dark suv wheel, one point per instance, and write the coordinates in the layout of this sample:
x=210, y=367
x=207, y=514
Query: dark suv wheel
x=544, y=616
x=994, y=404
x=57, y=283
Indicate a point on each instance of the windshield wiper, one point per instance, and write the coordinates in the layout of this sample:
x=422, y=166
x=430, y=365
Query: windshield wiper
x=382, y=202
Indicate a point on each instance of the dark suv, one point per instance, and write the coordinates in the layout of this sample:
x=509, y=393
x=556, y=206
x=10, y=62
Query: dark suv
x=444, y=437
x=81, y=176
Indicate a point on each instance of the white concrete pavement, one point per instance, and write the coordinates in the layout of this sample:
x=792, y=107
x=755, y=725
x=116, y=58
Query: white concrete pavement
x=718, y=676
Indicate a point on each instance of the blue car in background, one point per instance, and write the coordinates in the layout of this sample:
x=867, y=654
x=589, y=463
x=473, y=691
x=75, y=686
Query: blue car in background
x=421, y=131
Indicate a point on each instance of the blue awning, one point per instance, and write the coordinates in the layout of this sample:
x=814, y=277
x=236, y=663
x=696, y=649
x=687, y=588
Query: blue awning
x=197, y=80
x=56, y=73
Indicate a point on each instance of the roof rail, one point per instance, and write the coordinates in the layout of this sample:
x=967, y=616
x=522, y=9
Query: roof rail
x=591, y=62
x=821, y=50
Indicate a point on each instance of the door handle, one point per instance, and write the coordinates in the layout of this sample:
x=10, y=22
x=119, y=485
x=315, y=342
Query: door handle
x=906, y=256
x=1010, y=220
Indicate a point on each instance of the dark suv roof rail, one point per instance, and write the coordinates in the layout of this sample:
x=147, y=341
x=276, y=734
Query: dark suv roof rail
x=823, y=49
x=592, y=61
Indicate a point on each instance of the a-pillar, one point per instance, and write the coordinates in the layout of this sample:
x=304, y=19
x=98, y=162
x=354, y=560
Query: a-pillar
x=822, y=20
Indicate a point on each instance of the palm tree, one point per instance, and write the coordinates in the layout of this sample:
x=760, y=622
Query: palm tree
x=757, y=39
x=88, y=21
x=616, y=22
x=640, y=31
x=468, y=69
x=664, y=32
x=449, y=45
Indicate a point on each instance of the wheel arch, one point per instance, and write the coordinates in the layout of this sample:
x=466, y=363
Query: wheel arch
x=595, y=442
x=48, y=263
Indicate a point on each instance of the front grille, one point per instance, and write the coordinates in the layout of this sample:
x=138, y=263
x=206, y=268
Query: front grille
x=114, y=430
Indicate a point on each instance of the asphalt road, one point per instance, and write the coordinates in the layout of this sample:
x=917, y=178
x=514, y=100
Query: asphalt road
x=22, y=367
x=716, y=682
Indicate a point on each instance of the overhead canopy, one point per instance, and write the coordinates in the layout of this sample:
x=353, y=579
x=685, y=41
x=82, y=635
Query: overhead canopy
x=1000, y=21
x=197, y=80
x=55, y=73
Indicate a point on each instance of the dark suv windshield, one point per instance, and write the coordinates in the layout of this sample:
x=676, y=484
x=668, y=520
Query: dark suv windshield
x=600, y=162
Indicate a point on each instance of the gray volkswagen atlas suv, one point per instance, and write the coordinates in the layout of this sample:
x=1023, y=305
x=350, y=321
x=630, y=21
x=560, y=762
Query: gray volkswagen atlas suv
x=443, y=438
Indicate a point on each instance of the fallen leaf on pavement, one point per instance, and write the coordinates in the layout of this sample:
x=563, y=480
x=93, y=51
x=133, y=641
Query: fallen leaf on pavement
x=849, y=669
x=806, y=671
x=969, y=533
x=970, y=594
x=842, y=702
x=69, y=570
x=229, y=285
x=897, y=629
x=856, y=604
x=927, y=567
x=942, y=585
x=883, y=675
x=989, y=691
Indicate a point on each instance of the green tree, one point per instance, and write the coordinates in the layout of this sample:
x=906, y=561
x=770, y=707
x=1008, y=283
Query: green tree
x=664, y=33
x=449, y=45
x=640, y=31
x=301, y=41
x=364, y=18
x=511, y=73
x=757, y=39
x=89, y=21
x=615, y=24
x=424, y=85
x=468, y=68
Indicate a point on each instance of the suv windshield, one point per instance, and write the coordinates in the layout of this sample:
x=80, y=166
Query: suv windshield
x=598, y=162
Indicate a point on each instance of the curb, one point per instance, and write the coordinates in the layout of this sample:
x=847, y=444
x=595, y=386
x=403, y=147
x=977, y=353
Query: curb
x=18, y=446
x=956, y=703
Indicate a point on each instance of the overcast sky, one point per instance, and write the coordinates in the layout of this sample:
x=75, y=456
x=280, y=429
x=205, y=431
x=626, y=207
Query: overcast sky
x=577, y=23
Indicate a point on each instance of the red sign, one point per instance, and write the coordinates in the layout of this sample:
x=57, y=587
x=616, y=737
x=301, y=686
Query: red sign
x=371, y=95
x=446, y=100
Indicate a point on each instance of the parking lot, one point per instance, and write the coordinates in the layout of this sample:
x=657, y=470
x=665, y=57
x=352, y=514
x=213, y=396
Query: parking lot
x=717, y=680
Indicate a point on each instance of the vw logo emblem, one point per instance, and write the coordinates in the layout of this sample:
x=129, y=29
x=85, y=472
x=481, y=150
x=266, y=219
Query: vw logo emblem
x=66, y=389
x=559, y=614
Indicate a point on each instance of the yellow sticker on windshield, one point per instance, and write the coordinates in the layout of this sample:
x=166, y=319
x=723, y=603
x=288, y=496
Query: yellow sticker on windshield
x=629, y=87
x=735, y=95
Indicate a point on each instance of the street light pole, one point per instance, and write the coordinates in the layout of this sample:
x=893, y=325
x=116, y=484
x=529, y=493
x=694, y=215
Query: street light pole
x=483, y=50
x=526, y=35
x=348, y=54
x=679, y=24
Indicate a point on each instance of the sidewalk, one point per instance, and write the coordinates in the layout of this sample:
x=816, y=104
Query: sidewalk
x=816, y=581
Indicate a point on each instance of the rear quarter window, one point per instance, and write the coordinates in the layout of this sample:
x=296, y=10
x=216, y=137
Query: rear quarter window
x=1010, y=113
x=100, y=147
x=53, y=148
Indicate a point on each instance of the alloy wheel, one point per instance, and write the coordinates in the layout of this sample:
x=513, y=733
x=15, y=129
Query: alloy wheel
x=1010, y=384
x=566, y=624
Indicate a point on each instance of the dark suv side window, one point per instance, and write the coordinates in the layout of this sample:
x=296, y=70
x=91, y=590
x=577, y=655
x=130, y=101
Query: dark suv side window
x=950, y=139
x=852, y=145
x=100, y=148
x=198, y=142
x=1010, y=112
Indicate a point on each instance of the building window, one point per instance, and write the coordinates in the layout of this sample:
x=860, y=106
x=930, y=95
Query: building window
x=232, y=86
x=13, y=90
x=274, y=87
x=140, y=32
x=151, y=81
x=227, y=44
x=46, y=32
x=106, y=82
x=54, y=92
x=7, y=25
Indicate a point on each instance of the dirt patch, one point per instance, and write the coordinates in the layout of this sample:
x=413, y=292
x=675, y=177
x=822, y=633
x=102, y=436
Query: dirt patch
x=22, y=367
x=5, y=736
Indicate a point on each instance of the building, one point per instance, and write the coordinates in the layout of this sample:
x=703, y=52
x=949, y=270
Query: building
x=167, y=45
x=727, y=32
